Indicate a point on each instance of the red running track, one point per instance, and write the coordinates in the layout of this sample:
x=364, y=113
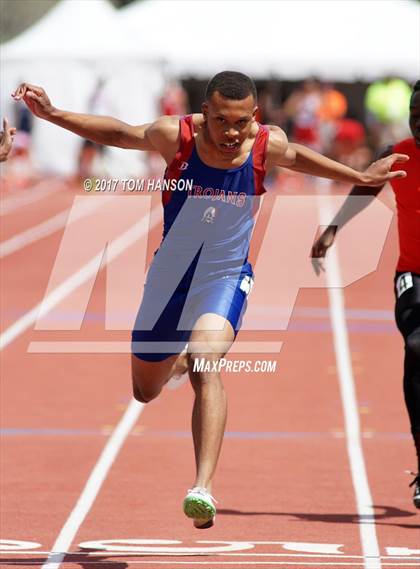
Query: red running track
x=284, y=484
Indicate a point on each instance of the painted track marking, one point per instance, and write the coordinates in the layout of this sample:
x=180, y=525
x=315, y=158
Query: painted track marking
x=117, y=246
x=47, y=227
x=93, y=485
x=32, y=194
x=363, y=495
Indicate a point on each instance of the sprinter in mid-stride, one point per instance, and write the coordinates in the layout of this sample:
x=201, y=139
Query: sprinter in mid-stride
x=197, y=286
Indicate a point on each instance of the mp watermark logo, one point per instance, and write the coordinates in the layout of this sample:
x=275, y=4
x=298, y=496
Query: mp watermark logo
x=115, y=238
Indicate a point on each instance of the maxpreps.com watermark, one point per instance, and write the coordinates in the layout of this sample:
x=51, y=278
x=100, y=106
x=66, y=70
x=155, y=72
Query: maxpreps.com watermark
x=235, y=366
x=136, y=185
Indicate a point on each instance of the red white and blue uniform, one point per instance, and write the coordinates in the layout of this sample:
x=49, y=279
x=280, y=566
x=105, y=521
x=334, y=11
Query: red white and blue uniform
x=202, y=263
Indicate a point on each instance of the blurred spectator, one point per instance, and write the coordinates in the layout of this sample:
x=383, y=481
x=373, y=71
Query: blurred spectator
x=174, y=100
x=350, y=145
x=333, y=104
x=23, y=117
x=333, y=107
x=302, y=108
x=387, y=103
x=270, y=110
x=90, y=156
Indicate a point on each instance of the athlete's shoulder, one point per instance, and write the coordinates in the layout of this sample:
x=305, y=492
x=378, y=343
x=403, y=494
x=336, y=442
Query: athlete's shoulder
x=277, y=141
x=165, y=126
x=164, y=135
x=197, y=119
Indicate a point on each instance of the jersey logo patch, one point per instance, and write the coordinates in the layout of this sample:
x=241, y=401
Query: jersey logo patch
x=209, y=215
x=183, y=166
x=404, y=282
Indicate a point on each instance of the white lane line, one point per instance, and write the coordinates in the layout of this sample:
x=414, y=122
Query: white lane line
x=30, y=195
x=93, y=485
x=115, y=248
x=366, y=514
x=49, y=226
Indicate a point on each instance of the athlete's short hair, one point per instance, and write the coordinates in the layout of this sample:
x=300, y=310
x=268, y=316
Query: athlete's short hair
x=232, y=85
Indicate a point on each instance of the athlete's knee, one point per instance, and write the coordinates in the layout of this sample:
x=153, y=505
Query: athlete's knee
x=412, y=343
x=138, y=395
x=144, y=394
x=141, y=397
x=145, y=387
x=204, y=365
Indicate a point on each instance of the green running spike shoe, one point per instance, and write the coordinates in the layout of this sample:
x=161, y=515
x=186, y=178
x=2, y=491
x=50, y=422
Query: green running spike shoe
x=199, y=505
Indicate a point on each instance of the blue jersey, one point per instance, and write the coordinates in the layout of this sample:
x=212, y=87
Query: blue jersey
x=201, y=266
x=214, y=210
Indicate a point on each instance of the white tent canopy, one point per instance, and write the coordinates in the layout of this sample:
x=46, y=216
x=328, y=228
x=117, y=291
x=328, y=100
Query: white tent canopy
x=291, y=39
x=73, y=45
x=76, y=29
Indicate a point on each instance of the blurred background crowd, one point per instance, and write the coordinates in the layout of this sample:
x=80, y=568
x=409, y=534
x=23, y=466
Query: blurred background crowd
x=346, y=111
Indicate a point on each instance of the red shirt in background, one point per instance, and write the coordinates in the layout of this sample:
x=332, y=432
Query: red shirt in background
x=407, y=195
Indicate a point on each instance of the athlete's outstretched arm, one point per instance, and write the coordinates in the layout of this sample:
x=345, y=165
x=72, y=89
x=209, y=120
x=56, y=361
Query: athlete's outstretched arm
x=348, y=210
x=103, y=130
x=302, y=159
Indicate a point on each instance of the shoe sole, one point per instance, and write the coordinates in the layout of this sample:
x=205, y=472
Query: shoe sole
x=198, y=509
x=198, y=524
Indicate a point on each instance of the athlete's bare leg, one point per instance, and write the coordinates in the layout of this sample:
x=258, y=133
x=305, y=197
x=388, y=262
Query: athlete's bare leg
x=211, y=338
x=150, y=377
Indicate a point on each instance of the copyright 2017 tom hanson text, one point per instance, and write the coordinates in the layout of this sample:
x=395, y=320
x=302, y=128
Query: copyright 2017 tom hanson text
x=132, y=185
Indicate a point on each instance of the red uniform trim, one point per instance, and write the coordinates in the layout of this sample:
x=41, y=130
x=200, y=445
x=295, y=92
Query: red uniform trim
x=186, y=145
x=259, y=150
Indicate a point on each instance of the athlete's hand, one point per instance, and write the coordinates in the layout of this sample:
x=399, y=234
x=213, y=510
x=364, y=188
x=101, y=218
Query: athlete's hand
x=320, y=248
x=35, y=98
x=6, y=140
x=379, y=172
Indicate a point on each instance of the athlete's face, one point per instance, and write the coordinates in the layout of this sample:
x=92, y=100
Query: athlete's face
x=229, y=122
x=415, y=117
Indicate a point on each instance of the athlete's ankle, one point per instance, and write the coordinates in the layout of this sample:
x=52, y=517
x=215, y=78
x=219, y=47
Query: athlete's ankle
x=203, y=483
